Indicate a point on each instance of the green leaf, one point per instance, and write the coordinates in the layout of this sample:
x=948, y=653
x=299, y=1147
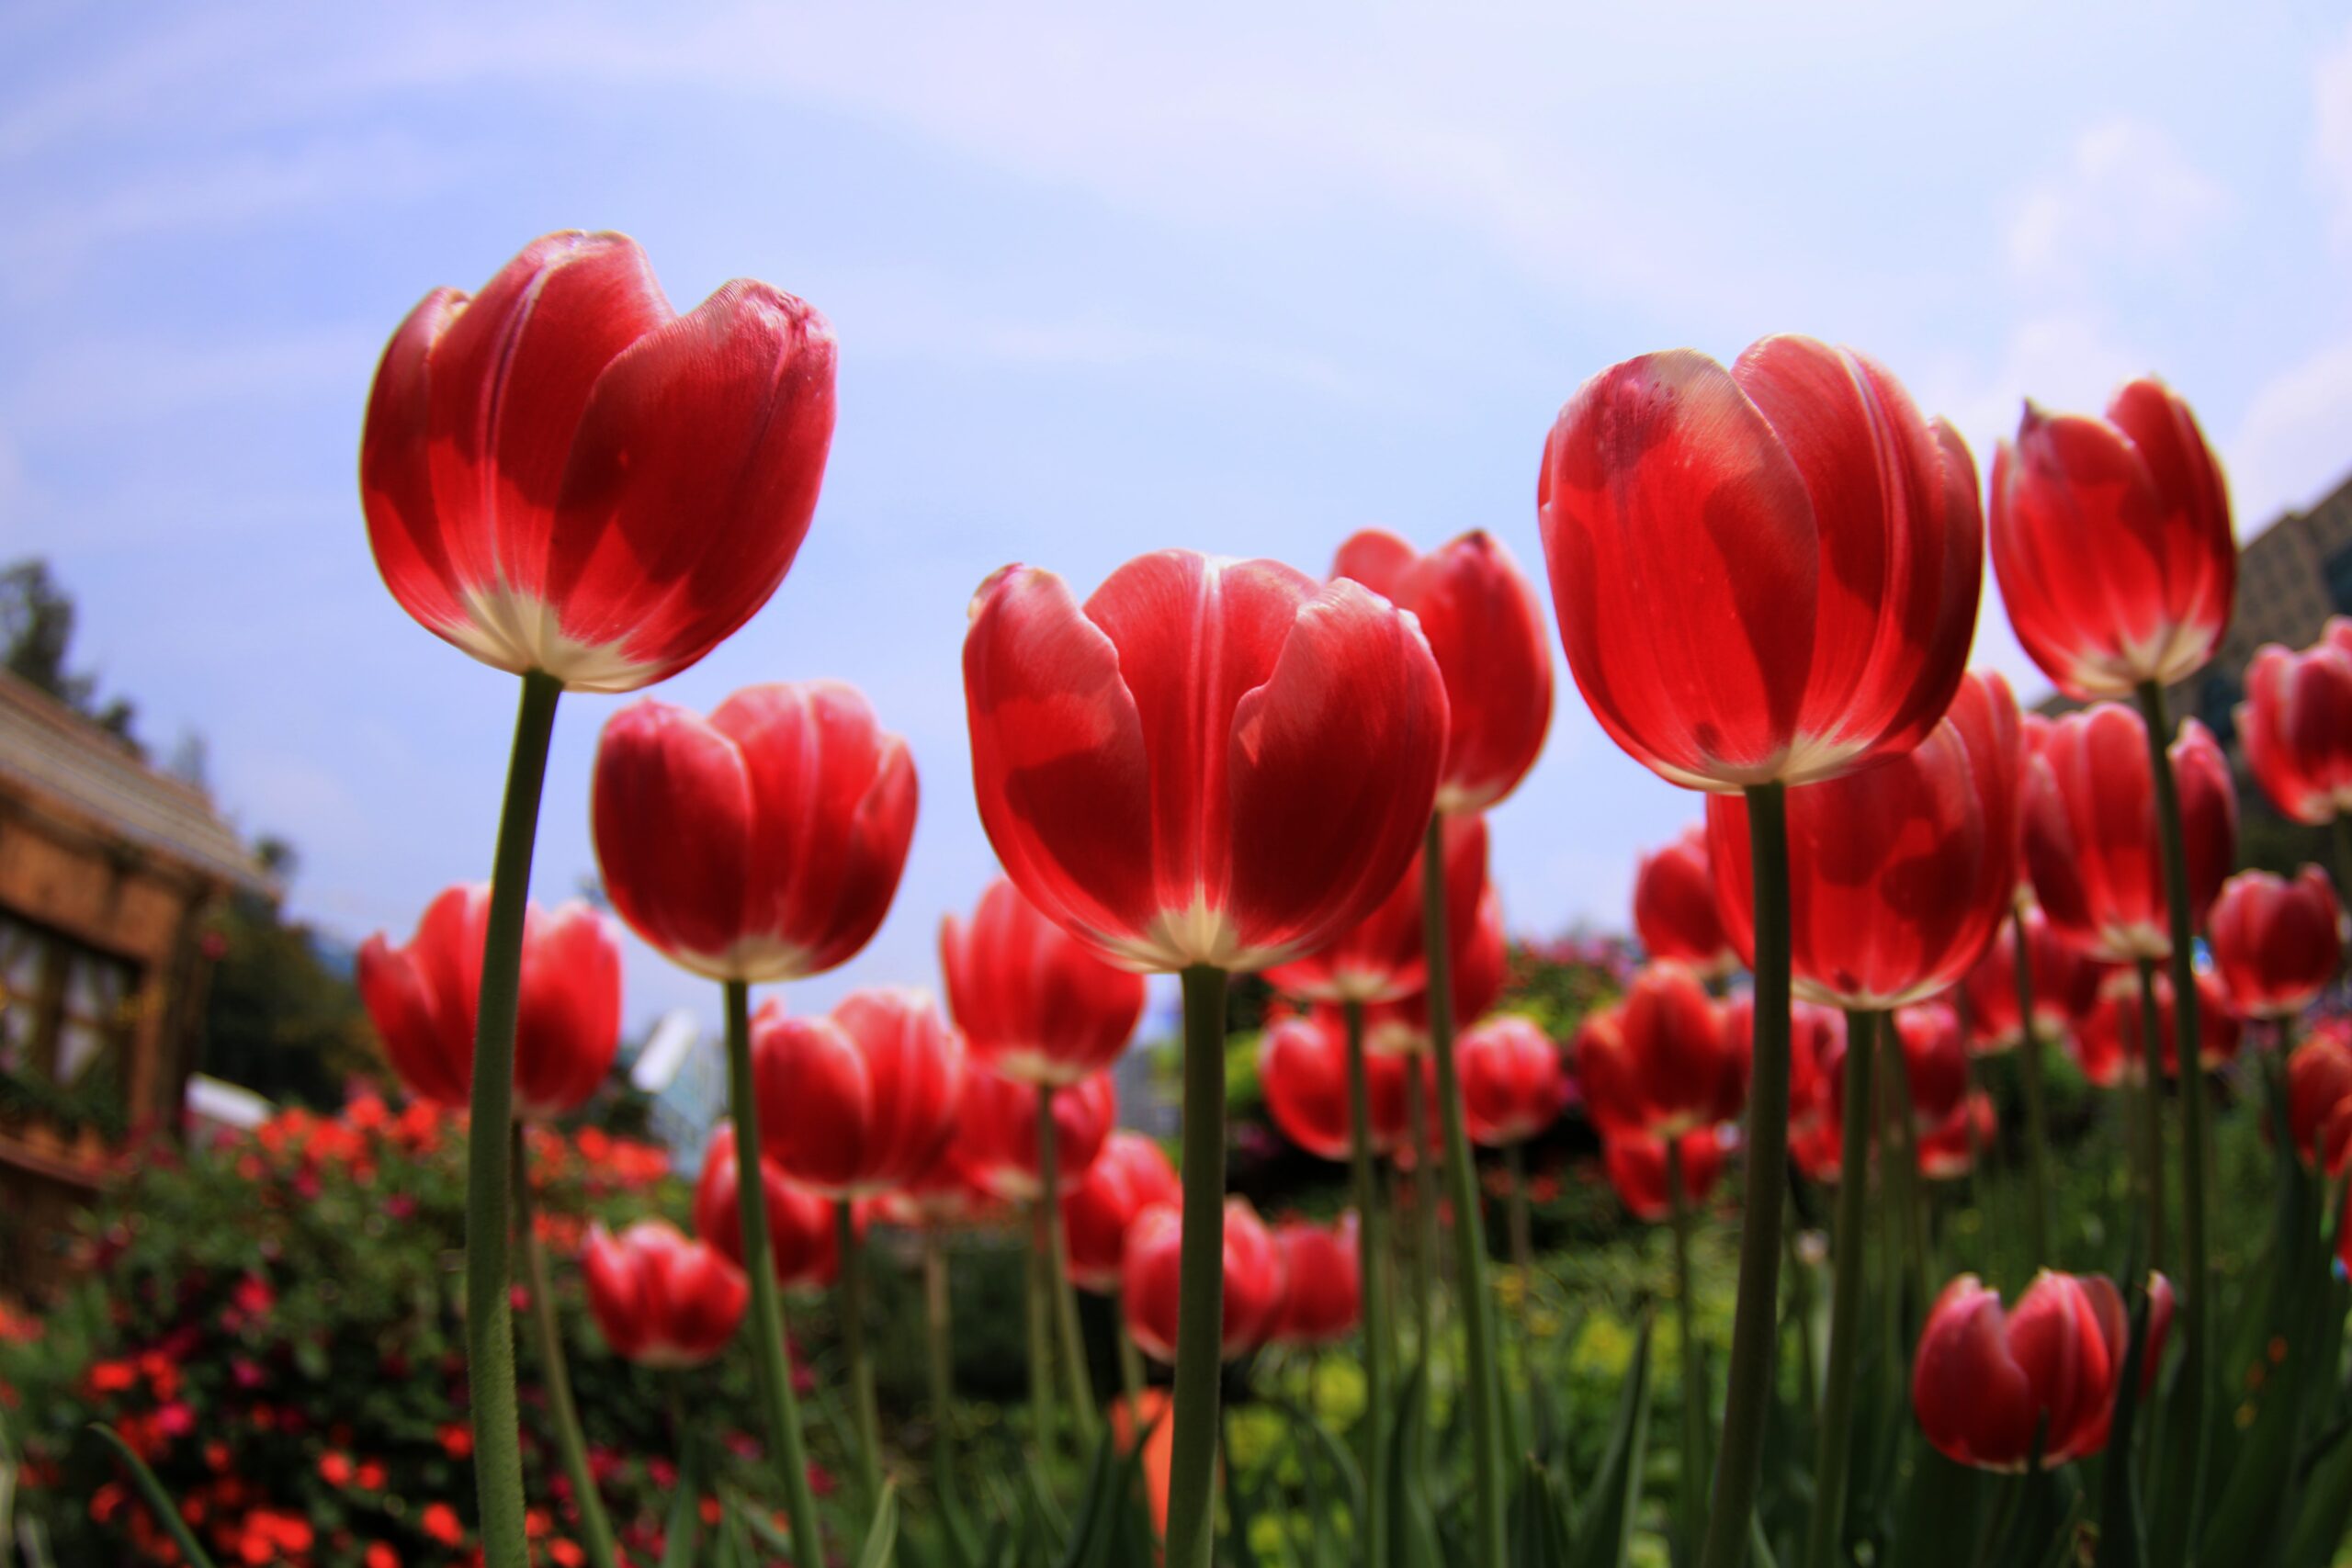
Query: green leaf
x=1333, y=1453
x=1539, y=1525
x=2122, y=1529
x=681, y=1537
x=1412, y=1529
x=882, y=1534
x=159, y=1501
x=1604, y=1533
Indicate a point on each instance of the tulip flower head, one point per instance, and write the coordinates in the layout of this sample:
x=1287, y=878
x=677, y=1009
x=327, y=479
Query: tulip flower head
x=2276, y=943
x=1382, y=957
x=1674, y=907
x=1663, y=1062
x=2109, y=1044
x=804, y=1247
x=1947, y=1151
x=1211, y=762
x=1636, y=1166
x=1303, y=1071
x=1129, y=1175
x=1514, y=1083
x=561, y=474
x=1764, y=574
x=2296, y=723
x=1935, y=1062
x=1254, y=1281
x=1481, y=952
x=2065, y=987
x=2112, y=542
x=861, y=1100
x=423, y=997
x=662, y=1301
x=995, y=1135
x=1323, y=1280
x=2318, y=1098
x=762, y=843
x=1034, y=1003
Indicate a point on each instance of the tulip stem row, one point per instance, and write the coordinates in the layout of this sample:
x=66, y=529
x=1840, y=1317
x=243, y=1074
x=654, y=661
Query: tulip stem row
x=2037, y=1107
x=595, y=1528
x=767, y=1302
x=1755, y=1318
x=1424, y=1251
x=1899, y=1163
x=1044, y=1421
x=1085, y=1422
x=2151, y=1111
x=943, y=1369
x=869, y=1424
x=490, y=1327
x=1834, y=1437
x=1692, y=1500
x=1200, y=1293
x=1372, y=1268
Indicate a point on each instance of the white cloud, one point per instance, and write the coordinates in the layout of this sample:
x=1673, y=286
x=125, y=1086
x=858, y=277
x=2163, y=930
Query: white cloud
x=2332, y=137
x=2126, y=199
x=2290, y=448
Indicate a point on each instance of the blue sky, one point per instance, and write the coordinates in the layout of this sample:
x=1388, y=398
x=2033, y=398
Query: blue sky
x=1244, y=280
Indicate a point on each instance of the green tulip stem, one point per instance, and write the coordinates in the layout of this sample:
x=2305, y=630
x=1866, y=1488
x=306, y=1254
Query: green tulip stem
x=2037, y=1105
x=1086, y=1422
x=555, y=1376
x=852, y=1248
x=1372, y=1264
x=1200, y=1291
x=1834, y=1437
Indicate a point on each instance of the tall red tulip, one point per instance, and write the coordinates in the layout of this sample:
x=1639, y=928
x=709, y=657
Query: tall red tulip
x=1212, y=763
x=1254, y=1281
x=422, y=998
x=2108, y=1044
x=996, y=1134
x=1674, y=906
x=2111, y=539
x=2065, y=986
x=1900, y=874
x=1661, y=1062
x=1323, y=1283
x=1948, y=1150
x=2296, y=724
x=1487, y=629
x=1817, y=1086
x=562, y=475
x=2090, y=830
x=2276, y=943
x=1481, y=958
x=1514, y=1083
x=662, y=1301
x=1033, y=1002
x=1303, y=1071
x=1935, y=1062
x=1381, y=958
x=2319, y=1099
x=1129, y=1175
x=1636, y=1163
x=861, y=1100
x=803, y=1246
x=762, y=843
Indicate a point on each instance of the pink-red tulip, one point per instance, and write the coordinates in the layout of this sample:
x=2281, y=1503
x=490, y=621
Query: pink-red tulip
x=2065, y=986
x=1947, y=1151
x=1323, y=1283
x=762, y=843
x=1481, y=964
x=2109, y=1044
x=1485, y=626
x=1129, y=1175
x=945, y=1196
x=1898, y=875
x=803, y=1245
x=1211, y=762
x=421, y=998
x=1674, y=907
x=2319, y=1099
x=662, y=1301
x=1816, y=1050
x=2276, y=943
x=2090, y=830
x=1514, y=1083
x=996, y=1135
x=2111, y=540
x=1254, y=1282
x=1033, y=1002
x=1636, y=1168
x=1382, y=958
x=561, y=474
x=2296, y=724
x=1764, y=574
x=1935, y=1061
x=1661, y=1062
x=1303, y=1071
x=859, y=1100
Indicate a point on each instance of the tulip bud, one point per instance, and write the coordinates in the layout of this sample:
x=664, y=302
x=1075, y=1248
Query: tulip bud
x=1255, y=1281
x=662, y=1301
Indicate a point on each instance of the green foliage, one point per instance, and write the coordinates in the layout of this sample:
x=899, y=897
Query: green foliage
x=278, y=1017
x=37, y=619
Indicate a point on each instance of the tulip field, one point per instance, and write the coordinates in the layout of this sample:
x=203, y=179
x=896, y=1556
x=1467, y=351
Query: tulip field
x=1951, y=1174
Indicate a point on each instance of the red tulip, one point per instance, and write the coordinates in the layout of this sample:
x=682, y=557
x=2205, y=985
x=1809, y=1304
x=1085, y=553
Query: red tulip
x=2296, y=723
x=1129, y=1175
x=1636, y=1166
x=1935, y=1060
x=562, y=475
x=1816, y=1050
x=942, y=1196
x=1985, y=1380
x=2110, y=1048
x=2111, y=540
x=2276, y=943
x=1662, y=1062
x=1948, y=1150
x=803, y=1246
x=1323, y=1296
x=1513, y=1083
x=1382, y=958
x=421, y=998
x=1674, y=907
x=1212, y=763
x=1485, y=626
x=1481, y=963
x=1033, y=1002
x=1898, y=875
x=1766, y=574
x=763, y=843
x=1302, y=1070
x=2065, y=986
x=662, y=1301
x=2319, y=1099
x=997, y=1131
x=862, y=1099
x=2090, y=830
x=1254, y=1283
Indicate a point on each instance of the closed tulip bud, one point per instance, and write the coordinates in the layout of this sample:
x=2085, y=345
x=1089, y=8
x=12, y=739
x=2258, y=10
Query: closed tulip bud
x=567, y=1026
x=1514, y=1082
x=2065, y=987
x=1033, y=1001
x=762, y=843
x=1898, y=875
x=2108, y=1046
x=1211, y=762
x=1674, y=907
x=1661, y=1062
x=1255, y=1281
x=1948, y=1150
x=1323, y=1295
x=1486, y=627
x=995, y=1135
x=2090, y=831
x=1303, y=1071
x=2319, y=1099
x=1382, y=958
x=1766, y=574
x=1130, y=1175
x=862, y=1099
x=2296, y=724
x=2111, y=539
x=1636, y=1168
x=560, y=474
x=662, y=1301
x=2276, y=943
x=803, y=1246
x=1481, y=964
x=1935, y=1061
